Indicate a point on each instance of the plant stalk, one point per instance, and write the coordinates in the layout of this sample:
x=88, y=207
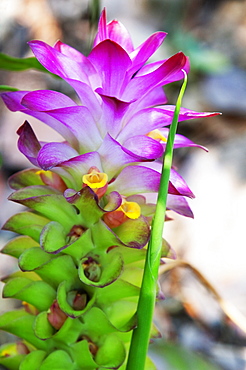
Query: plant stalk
x=145, y=311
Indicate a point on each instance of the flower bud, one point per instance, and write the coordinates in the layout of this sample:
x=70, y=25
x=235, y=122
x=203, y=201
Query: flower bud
x=92, y=269
x=75, y=233
x=56, y=316
x=93, y=348
x=53, y=180
x=77, y=299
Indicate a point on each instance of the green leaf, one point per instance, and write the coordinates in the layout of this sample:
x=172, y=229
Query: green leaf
x=117, y=291
x=25, y=178
x=38, y=293
x=62, y=298
x=91, y=320
x=119, y=302
x=7, y=88
x=69, y=332
x=82, y=246
x=42, y=327
x=11, y=362
x=122, y=314
x=33, y=258
x=20, y=323
x=18, y=245
x=174, y=357
x=10, y=63
x=149, y=365
x=53, y=270
x=10, y=356
x=167, y=250
x=58, y=360
x=111, y=266
x=26, y=223
x=111, y=353
x=44, y=200
x=86, y=200
x=133, y=274
x=33, y=191
x=29, y=275
x=134, y=233
x=132, y=255
x=95, y=331
x=103, y=237
x=53, y=237
x=82, y=355
x=33, y=360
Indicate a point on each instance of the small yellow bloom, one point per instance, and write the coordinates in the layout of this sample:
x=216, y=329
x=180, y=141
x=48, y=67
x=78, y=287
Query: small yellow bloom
x=42, y=172
x=30, y=308
x=9, y=350
x=95, y=179
x=130, y=209
x=156, y=135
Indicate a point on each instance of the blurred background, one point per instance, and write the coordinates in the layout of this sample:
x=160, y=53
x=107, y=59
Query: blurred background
x=213, y=34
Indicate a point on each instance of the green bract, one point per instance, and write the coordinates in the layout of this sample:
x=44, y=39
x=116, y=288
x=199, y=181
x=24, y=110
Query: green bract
x=79, y=280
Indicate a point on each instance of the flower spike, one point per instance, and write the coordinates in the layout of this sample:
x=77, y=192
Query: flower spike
x=82, y=242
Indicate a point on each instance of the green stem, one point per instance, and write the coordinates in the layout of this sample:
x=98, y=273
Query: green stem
x=141, y=335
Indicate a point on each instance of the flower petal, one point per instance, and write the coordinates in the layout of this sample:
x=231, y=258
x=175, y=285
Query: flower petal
x=155, y=97
x=80, y=122
x=73, y=169
x=114, y=31
x=139, y=179
x=69, y=51
x=143, y=147
x=28, y=143
x=111, y=62
x=52, y=154
x=77, y=119
x=180, y=184
x=140, y=55
x=144, y=121
x=135, y=180
x=43, y=100
x=113, y=156
x=113, y=110
x=87, y=97
x=186, y=114
x=169, y=71
x=179, y=204
x=14, y=100
x=150, y=67
x=60, y=64
x=180, y=141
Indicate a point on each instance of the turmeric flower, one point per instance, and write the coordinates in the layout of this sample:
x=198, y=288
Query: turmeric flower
x=119, y=117
x=83, y=237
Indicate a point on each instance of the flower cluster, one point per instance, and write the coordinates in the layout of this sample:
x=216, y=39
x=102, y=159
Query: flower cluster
x=81, y=252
